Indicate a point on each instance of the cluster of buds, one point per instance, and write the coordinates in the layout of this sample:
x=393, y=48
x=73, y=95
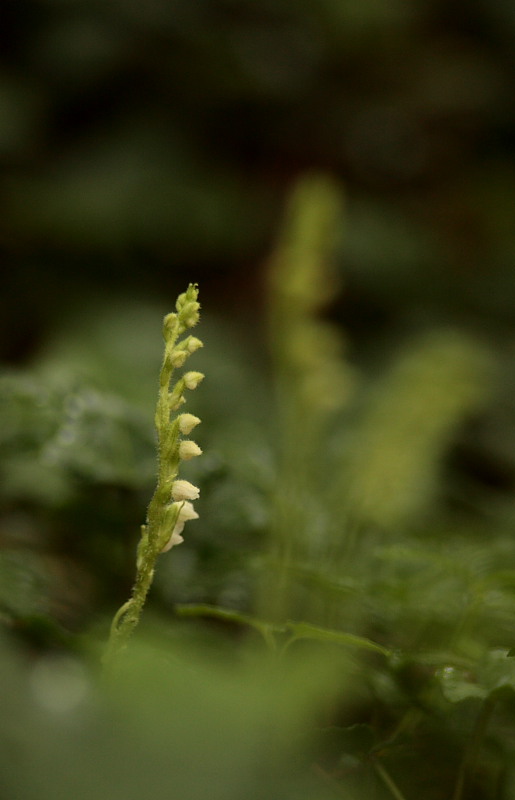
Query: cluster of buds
x=174, y=448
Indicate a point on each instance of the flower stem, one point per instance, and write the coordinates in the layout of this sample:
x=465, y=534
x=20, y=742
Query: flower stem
x=127, y=617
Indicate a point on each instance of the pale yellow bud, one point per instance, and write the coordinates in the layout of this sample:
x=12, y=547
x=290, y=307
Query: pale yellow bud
x=187, y=422
x=169, y=325
x=188, y=310
x=192, y=379
x=193, y=344
x=178, y=358
x=189, y=449
x=184, y=490
x=191, y=316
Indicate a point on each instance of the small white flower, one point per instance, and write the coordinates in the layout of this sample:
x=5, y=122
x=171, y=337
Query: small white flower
x=192, y=379
x=189, y=449
x=186, y=512
x=184, y=490
x=175, y=538
x=187, y=422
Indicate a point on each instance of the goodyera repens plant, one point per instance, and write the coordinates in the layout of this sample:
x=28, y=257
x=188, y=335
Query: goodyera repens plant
x=170, y=507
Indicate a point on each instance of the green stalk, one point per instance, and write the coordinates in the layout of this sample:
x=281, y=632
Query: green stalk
x=388, y=781
x=471, y=754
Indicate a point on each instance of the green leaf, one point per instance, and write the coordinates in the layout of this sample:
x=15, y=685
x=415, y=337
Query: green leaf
x=458, y=685
x=266, y=629
x=304, y=630
x=493, y=676
x=497, y=672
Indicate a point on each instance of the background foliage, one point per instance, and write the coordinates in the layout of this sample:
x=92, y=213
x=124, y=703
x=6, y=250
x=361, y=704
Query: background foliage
x=358, y=482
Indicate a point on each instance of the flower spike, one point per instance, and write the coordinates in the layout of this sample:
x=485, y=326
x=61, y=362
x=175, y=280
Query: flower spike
x=170, y=507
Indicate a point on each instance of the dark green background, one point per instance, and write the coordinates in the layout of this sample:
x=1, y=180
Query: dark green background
x=144, y=145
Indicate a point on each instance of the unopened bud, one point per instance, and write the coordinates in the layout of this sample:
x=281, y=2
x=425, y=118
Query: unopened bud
x=190, y=314
x=169, y=325
x=193, y=344
x=189, y=296
x=187, y=422
x=184, y=490
x=178, y=358
x=192, y=379
x=188, y=308
x=189, y=449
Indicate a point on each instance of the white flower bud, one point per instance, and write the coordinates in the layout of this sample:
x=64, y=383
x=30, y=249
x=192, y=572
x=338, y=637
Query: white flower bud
x=187, y=422
x=192, y=379
x=184, y=490
x=189, y=449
